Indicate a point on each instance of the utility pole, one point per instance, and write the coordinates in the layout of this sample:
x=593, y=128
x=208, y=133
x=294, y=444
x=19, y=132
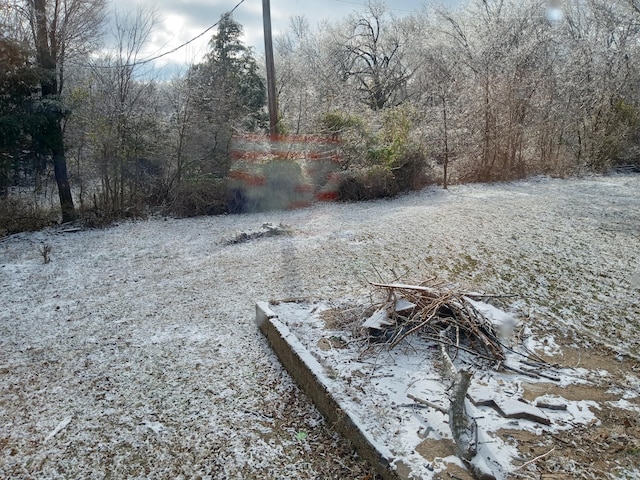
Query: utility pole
x=271, y=71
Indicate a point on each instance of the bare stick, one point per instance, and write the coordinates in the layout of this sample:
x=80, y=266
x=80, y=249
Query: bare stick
x=540, y=457
x=431, y=316
x=402, y=286
x=428, y=403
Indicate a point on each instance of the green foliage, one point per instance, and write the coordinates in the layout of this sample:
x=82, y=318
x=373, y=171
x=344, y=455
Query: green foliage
x=336, y=122
x=626, y=114
x=230, y=73
x=19, y=78
x=30, y=123
x=11, y=130
x=365, y=145
x=20, y=120
x=393, y=163
x=398, y=123
x=393, y=141
x=225, y=93
x=225, y=45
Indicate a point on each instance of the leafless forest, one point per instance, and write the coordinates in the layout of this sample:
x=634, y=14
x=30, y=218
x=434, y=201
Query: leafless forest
x=499, y=89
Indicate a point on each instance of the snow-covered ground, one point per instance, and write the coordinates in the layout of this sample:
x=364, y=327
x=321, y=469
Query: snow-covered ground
x=134, y=354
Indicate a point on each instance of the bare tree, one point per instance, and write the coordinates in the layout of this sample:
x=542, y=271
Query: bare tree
x=181, y=98
x=599, y=73
x=124, y=117
x=293, y=82
x=442, y=75
x=370, y=54
x=307, y=82
x=60, y=29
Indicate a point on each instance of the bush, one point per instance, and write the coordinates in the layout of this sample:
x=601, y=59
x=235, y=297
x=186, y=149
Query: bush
x=368, y=184
x=23, y=215
x=204, y=195
x=381, y=181
x=336, y=122
x=412, y=172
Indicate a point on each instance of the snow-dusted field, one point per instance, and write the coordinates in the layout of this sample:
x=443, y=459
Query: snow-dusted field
x=134, y=354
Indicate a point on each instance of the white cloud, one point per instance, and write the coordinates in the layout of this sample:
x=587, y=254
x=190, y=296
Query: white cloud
x=179, y=21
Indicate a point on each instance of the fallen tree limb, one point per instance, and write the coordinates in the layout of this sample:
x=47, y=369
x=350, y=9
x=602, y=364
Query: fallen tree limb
x=463, y=428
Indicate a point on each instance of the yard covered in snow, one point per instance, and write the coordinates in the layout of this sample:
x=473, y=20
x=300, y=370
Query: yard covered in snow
x=134, y=352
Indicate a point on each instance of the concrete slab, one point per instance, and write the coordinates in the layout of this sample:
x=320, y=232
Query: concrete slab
x=370, y=398
x=313, y=381
x=512, y=408
x=506, y=406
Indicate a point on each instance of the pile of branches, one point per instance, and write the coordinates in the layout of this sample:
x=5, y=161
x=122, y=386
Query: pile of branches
x=442, y=315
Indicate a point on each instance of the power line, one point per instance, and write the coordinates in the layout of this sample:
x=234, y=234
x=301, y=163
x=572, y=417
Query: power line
x=173, y=50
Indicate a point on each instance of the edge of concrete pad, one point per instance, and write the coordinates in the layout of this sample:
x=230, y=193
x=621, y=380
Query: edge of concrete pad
x=310, y=377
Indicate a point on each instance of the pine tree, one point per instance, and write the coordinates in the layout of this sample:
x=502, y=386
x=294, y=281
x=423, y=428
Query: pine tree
x=230, y=74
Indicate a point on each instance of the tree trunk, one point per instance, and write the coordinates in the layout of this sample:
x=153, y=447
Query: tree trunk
x=46, y=46
x=62, y=178
x=446, y=140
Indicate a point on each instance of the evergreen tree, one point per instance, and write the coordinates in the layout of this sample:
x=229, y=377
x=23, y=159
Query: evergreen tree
x=59, y=30
x=225, y=95
x=19, y=118
x=229, y=77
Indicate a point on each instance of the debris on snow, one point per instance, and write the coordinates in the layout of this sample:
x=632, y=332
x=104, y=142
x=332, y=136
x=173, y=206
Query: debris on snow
x=461, y=391
x=61, y=426
x=443, y=315
x=267, y=230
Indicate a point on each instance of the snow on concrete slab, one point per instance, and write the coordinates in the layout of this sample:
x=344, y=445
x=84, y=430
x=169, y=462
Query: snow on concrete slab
x=395, y=399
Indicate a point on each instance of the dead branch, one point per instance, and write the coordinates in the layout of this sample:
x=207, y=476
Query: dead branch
x=428, y=403
x=267, y=230
x=533, y=460
x=463, y=428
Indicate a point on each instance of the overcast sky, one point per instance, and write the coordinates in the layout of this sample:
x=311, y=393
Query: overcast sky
x=181, y=20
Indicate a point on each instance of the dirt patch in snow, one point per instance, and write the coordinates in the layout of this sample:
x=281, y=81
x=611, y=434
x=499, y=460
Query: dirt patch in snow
x=608, y=447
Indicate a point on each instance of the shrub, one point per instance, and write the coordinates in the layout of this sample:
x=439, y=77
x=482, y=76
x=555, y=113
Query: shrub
x=336, y=122
x=23, y=215
x=380, y=181
x=412, y=172
x=381, y=161
x=351, y=188
x=203, y=195
x=367, y=184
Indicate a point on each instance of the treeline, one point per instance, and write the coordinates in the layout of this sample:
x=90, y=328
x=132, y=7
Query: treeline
x=117, y=142
x=497, y=90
